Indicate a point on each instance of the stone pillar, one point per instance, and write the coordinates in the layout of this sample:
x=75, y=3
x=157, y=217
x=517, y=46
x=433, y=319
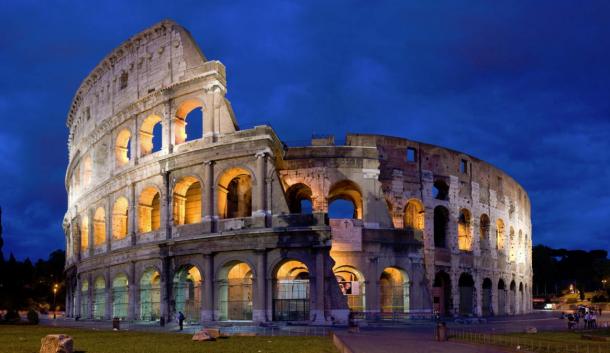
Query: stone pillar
x=77, y=297
x=108, y=219
x=91, y=245
x=132, y=225
x=259, y=197
x=133, y=291
x=207, y=300
x=108, y=289
x=208, y=195
x=372, y=285
x=167, y=205
x=478, y=295
x=259, y=309
x=317, y=290
x=455, y=292
x=165, y=288
x=90, y=295
x=494, y=295
x=167, y=127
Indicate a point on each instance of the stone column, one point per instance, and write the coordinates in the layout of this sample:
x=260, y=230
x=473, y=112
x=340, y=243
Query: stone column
x=208, y=194
x=90, y=295
x=207, y=300
x=108, y=219
x=167, y=127
x=259, y=309
x=132, y=225
x=455, y=292
x=478, y=295
x=91, y=245
x=165, y=288
x=258, y=198
x=167, y=205
x=494, y=295
x=77, y=297
x=132, y=294
x=109, y=313
x=317, y=290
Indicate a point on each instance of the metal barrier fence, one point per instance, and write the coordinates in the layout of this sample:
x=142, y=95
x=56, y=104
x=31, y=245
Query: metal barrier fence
x=279, y=331
x=527, y=344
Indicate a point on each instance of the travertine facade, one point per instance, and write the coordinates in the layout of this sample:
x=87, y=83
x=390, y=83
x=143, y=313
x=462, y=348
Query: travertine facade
x=235, y=225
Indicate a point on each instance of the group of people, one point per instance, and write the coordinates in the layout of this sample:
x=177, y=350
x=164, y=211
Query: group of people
x=588, y=315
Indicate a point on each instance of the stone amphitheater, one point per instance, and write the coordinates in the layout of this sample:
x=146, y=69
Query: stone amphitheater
x=173, y=208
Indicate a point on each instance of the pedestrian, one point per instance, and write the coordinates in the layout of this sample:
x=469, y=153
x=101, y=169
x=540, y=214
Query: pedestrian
x=587, y=320
x=180, y=319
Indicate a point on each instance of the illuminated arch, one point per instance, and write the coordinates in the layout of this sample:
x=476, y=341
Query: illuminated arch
x=99, y=227
x=99, y=298
x=122, y=147
x=150, y=295
x=291, y=292
x=235, y=291
x=120, y=218
x=181, y=118
x=147, y=134
x=500, y=238
x=120, y=296
x=464, y=233
x=349, y=191
x=414, y=215
x=299, y=198
x=187, y=201
x=352, y=285
x=187, y=290
x=235, y=193
x=84, y=233
x=394, y=290
x=149, y=210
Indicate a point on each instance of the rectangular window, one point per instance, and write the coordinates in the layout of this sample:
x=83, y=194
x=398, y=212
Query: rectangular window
x=411, y=154
x=464, y=166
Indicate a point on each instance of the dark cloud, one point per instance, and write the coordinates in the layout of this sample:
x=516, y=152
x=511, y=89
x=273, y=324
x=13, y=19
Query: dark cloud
x=522, y=84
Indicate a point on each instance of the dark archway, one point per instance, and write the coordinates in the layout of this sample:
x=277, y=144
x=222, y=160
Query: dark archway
x=442, y=294
x=466, y=285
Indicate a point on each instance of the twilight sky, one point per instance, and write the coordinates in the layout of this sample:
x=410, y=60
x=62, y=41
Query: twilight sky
x=524, y=85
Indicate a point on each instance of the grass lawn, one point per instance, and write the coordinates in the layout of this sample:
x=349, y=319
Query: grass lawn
x=26, y=339
x=564, y=341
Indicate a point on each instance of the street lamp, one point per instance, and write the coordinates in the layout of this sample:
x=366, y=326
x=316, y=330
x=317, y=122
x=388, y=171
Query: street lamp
x=54, y=294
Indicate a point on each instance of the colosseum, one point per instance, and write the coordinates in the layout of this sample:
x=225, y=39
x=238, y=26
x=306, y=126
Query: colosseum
x=172, y=207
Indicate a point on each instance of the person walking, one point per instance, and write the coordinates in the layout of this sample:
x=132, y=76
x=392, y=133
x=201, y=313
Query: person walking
x=180, y=319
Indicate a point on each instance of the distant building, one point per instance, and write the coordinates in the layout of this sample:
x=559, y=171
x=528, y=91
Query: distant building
x=235, y=224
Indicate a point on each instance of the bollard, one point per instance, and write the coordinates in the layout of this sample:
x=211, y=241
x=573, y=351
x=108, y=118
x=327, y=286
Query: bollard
x=116, y=323
x=441, y=332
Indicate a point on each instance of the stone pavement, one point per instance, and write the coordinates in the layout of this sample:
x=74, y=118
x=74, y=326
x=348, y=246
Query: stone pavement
x=411, y=340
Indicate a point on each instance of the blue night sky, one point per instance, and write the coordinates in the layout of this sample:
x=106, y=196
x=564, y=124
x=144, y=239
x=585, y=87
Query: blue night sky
x=524, y=85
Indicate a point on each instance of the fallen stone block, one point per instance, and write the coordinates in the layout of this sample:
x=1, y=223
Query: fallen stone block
x=56, y=344
x=203, y=336
x=212, y=332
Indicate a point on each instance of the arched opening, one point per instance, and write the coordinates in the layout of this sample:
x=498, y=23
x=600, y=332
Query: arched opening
x=235, y=292
x=394, y=290
x=235, y=193
x=150, y=295
x=501, y=297
x=120, y=218
x=441, y=219
x=188, y=124
x=84, y=300
x=414, y=215
x=466, y=285
x=440, y=190
x=484, y=232
x=187, y=292
x=344, y=198
x=486, y=299
x=99, y=298
x=87, y=171
x=500, y=234
x=120, y=296
x=352, y=285
x=512, y=246
x=150, y=135
x=464, y=233
x=299, y=198
x=149, y=208
x=99, y=227
x=513, y=298
x=521, y=298
x=122, y=147
x=187, y=201
x=84, y=233
x=291, y=292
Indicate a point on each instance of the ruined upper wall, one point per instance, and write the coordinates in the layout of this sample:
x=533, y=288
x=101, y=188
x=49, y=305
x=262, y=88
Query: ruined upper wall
x=153, y=59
